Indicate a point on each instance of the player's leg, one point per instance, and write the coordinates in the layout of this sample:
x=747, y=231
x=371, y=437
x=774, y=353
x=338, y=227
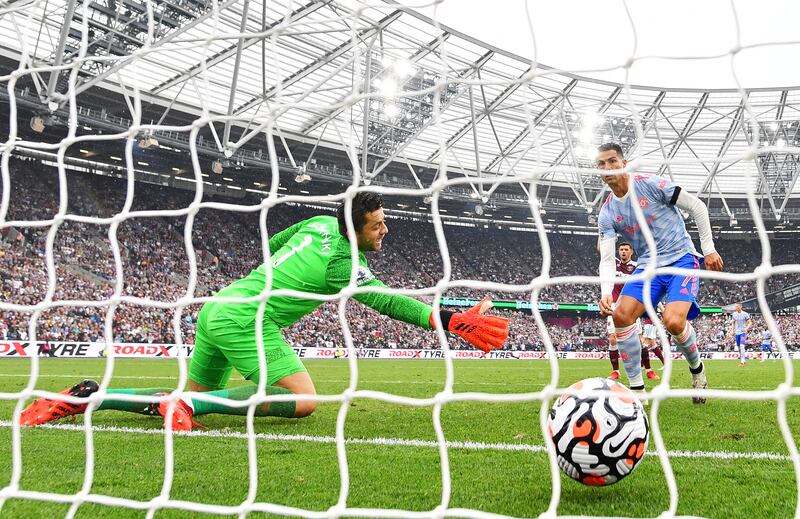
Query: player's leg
x=613, y=350
x=207, y=360
x=680, y=309
x=740, y=344
x=44, y=410
x=627, y=311
x=655, y=346
x=766, y=350
x=648, y=368
x=630, y=307
x=286, y=374
x=651, y=341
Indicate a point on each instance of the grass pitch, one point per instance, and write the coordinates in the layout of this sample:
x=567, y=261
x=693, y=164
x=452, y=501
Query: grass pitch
x=721, y=473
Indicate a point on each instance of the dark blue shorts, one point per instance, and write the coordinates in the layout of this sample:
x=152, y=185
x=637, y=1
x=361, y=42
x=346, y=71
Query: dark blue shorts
x=674, y=287
x=741, y=338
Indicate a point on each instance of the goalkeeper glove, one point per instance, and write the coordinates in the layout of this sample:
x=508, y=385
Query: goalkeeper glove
x=485, y=332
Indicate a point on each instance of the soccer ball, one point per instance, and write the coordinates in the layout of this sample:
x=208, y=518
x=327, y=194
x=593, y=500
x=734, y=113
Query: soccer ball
x=598, y=439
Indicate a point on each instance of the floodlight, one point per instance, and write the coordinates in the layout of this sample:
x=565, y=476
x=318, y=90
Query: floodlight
x=302, y=175
x=37, y=123
x=388, y=87
x=404, y=69
x=592, y=119
x=391, y=111
x=147, y=142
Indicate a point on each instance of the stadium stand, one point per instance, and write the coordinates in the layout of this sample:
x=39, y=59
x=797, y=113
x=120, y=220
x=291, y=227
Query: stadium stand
x=228, y=246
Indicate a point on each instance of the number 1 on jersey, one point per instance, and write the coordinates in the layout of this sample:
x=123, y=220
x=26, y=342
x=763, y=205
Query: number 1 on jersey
x=305, y=243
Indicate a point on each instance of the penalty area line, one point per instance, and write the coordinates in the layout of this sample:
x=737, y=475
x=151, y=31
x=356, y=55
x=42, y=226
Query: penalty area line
x=393, y=442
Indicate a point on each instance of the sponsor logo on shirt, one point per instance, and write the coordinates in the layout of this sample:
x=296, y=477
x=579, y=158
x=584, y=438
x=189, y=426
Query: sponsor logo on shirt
x=363, y=275
x=630, y=231
x=643, y=202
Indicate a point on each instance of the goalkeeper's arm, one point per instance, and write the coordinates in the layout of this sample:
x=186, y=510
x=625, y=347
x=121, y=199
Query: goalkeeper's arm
x=485, y=332
x=279, y=240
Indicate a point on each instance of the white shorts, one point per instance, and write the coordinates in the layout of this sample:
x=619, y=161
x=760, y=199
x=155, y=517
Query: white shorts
x=613, y=329
x=650, y=331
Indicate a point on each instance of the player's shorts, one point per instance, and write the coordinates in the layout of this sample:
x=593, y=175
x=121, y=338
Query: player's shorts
x=766, y=347
x=741, y=338
x=611, y=328
x=222, y=345
x=673, y=287
x=650, y=331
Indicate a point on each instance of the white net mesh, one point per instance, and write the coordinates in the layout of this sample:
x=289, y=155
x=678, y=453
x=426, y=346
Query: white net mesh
x=466, y=121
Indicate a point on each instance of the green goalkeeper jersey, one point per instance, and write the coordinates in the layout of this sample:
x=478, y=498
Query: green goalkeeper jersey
x=311, y=256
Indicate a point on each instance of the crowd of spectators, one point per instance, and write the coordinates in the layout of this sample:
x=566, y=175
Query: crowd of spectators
x=155, y=269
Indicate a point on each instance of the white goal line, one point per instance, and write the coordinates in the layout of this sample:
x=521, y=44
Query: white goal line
x=391, y=442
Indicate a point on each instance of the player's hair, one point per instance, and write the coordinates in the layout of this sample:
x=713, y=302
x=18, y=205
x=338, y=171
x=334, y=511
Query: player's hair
x=625, y=244
x=608, y=146
x=363, y=203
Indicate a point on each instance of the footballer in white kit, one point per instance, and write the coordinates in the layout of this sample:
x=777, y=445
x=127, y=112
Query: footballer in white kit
x=741, y=323
x=660, y=202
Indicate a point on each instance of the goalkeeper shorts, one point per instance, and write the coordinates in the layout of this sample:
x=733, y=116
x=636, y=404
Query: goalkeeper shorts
x=222, y=345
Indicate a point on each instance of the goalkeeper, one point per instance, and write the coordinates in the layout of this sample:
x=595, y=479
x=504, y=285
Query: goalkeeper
x=311, y=256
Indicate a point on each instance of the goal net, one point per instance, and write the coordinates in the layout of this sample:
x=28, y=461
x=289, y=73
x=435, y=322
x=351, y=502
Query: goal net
x=151, y=150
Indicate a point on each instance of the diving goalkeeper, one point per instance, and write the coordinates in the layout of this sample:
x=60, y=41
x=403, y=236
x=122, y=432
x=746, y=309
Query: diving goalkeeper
x=311, y=256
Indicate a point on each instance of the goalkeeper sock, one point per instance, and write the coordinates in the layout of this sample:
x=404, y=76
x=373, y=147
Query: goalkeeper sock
x=126, y=405
x=631, y=352
x=686, y=342
x=284, y=409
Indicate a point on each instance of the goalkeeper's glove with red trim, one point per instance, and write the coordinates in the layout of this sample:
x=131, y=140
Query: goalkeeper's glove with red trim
x=485, y=332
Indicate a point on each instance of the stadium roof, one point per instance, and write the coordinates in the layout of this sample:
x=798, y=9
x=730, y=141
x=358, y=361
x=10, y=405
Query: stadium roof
x=688, y=45
x=321, y=72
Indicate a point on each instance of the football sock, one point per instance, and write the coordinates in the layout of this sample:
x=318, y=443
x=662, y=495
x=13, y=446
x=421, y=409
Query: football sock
x=284, y=409
x=631, y=353
x=613, y=356
x=659, y=353
x=697, y=369
x=131, y=407
x=741, y=353
x=686, y=342
x=646, y=358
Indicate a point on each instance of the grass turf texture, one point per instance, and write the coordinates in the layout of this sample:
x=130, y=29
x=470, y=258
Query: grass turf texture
x=306, y=474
